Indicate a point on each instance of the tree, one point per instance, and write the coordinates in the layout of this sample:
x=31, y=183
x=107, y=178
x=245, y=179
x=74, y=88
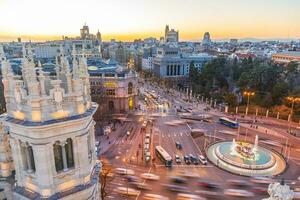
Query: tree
x=279, y=91
x=231, y=99
x=104, y=178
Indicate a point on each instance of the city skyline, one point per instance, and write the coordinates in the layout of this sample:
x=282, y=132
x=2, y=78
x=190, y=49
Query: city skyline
x=271, y=19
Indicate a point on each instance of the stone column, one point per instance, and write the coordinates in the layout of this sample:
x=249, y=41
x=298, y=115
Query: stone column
x=43, y=155
x=64, y=155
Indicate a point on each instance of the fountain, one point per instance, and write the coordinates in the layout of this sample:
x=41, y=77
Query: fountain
x=246, y=158
x=255, y=144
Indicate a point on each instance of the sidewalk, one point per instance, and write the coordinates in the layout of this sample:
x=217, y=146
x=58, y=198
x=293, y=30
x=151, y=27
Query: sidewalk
x=263, y=130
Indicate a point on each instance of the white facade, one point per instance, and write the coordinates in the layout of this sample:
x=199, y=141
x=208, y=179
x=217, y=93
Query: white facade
x=51, y=130
x=147, y=63
x=46, y=51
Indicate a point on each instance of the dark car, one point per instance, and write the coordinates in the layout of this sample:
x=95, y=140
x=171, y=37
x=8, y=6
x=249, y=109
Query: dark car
x=187, y=160
x=177, y=179
x=208, y=185
x=195, y=161
x=178, y=145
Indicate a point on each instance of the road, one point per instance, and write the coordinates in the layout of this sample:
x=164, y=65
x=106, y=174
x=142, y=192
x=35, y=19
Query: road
x=127, y=151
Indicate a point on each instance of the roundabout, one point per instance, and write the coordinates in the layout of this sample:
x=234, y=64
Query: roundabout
x=244, y=158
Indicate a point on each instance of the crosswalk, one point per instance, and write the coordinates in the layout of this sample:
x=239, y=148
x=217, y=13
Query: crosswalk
x=180, y=134
x=123, y=141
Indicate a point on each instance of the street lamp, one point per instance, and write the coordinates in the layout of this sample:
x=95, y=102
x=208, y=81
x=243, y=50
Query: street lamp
x=293, y=100
x=248, y=94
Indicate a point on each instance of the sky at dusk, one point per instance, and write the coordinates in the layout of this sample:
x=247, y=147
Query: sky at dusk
x=130, y=19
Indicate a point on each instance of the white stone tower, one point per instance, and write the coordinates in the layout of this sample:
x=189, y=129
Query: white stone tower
x=51, y=130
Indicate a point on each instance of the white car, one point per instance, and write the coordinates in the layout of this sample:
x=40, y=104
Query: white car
x=238, y=193
x=183, y=196
x=127, y=133
x=154, y=197
x=150, y=176
x=177, y=159
x=262, y=180
x=202, y=159
x=127, y=191
x=123, y=171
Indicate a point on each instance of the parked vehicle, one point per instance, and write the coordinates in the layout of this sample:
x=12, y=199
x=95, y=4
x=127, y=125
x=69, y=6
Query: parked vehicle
x=202, y=159
x=187, y=160
x=177, y=159
x=178, y=145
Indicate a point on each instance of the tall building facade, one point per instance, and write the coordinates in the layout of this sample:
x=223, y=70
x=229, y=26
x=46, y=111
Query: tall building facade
x=51, y=128
x=171, y=35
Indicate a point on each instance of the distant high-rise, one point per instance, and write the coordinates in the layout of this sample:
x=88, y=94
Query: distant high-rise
x=171, y=35
x=19, y=40
x=84, y=32
x=98, y=36
x=206, y=39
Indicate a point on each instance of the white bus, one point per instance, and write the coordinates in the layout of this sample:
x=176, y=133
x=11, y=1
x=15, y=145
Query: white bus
x=163, y=156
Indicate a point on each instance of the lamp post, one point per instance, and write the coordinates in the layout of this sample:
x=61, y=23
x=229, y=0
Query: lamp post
x=248, y=94
x=293, y=100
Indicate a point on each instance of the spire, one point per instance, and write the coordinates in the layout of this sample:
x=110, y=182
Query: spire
x=83, y=50
x=2, y=54
x=6, y=67
x=39, y=64
x=30, y=53
x=24, y=51
x=61, y=50
x=73, y=51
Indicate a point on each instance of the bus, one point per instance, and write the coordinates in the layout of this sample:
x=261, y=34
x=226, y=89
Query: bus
x=227, y=122
x=163, y=156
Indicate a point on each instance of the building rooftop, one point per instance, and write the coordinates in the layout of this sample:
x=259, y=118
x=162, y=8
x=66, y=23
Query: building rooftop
x=289, y=53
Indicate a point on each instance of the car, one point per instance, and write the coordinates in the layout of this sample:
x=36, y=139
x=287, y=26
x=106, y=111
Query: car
x=178, y=145
x=150, y=176
x=238, y=183
x=183, y=196
x=262, y=180
x=127, y=191
x=177, y=159
x=147, y=141
x=123, y=171
x=238, y=193
x=142, y=186
x=177, y=179
x=132, y=178
x=147, y=156
x=195, y=161
x=208, y=184
x=127, y=133
x=187, y=160
x=210, y=194
x=202, y=159
x=175, y=188
x=154, y=197
x=260, y=190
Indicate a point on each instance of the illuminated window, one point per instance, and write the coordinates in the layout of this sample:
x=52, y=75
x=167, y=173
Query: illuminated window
x=110, y=92
x=130, y=88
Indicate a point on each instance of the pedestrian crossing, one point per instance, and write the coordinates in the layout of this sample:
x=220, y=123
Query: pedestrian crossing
x=180, y=134
x=123, y=141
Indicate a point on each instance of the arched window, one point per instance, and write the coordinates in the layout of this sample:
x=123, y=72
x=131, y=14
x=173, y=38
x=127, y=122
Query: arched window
x=28, y=157
x=63, y=155
x=57, y=150
x=130, y=88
